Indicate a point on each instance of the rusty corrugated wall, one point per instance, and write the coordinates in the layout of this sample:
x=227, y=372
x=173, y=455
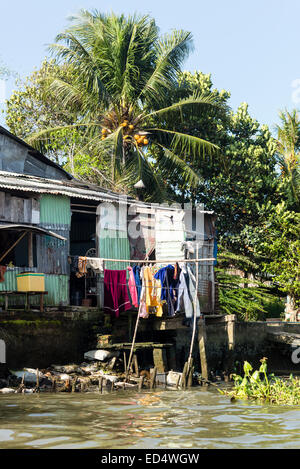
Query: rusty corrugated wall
x=52, y=253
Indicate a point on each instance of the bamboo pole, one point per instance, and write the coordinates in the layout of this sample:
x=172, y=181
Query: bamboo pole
x=195, y=315
x=133, y=343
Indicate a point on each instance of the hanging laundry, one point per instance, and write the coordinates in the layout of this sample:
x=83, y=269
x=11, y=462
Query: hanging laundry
x=143, y=310
x=116, y=299
x=82, y=266
x=96, y=264
x=175, y=283
x=150, y=301
x=132, y=288
x=186, y=292
x=166, y=276
x=138, y=282
x=152, y=298
x=2, y=272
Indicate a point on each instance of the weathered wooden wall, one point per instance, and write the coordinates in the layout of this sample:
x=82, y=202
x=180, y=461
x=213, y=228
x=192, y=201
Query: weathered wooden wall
x=19, y=209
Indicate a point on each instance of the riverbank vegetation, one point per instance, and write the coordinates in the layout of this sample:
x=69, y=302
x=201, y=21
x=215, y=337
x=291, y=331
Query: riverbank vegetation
x=114, y=106
x=261, y=386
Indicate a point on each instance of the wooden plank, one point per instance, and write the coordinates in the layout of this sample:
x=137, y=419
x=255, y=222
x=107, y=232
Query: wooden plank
x=7, y=207
x=27, y=210
x=30, y=250
x=2, y=205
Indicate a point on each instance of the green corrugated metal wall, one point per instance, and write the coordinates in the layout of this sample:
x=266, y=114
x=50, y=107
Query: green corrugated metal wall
x=55, y=209
x=57, y=287
x=114, y=245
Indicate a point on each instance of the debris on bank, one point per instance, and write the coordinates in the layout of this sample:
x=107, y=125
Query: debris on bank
x=102, y=371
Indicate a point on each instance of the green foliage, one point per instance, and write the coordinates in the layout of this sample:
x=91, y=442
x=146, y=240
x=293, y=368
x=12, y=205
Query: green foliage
x=243, y=177
x=248, y=298
x=280, y=246
x=288, y=146
x=261, y=386
x=110, y=83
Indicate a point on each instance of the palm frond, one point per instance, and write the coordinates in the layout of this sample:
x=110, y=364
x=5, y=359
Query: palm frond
x=192, y=103
x=171, y=51
x=183, y=143
x=172, y=162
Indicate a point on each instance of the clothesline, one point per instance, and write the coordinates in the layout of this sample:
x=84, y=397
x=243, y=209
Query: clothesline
x=156, y=261
x=146, y=286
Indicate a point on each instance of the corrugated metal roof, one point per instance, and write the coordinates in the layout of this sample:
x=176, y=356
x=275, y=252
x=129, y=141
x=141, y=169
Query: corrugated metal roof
x=74, y=188
x=32, y=229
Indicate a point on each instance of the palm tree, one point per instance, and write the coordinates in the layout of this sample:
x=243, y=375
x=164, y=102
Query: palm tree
x=123, y=70
x=288, y=145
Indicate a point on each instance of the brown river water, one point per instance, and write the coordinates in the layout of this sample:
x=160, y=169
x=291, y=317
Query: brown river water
x=163, y=419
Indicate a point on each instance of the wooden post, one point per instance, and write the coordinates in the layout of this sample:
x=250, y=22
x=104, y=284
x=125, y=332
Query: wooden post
x=41, y=302
x=160, y=359
x=190, y=377
x=153, y=378
x=74, y=384
x=37, y=387
x=183, y=376
x=27, y=302
x=136, y=366
x=30, y=249
x=202, y=348
x=54, y=384
x=231, y=322
x=231, y=332
x=100, y=384
x=141, y=382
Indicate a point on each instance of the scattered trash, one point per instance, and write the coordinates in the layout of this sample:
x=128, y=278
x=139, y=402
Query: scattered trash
x=100, y=355
x=7, y=390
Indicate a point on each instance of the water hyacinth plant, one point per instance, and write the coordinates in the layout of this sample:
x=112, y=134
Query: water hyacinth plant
x=258, y=385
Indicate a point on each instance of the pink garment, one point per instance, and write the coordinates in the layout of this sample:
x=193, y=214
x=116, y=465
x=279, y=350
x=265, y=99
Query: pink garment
x=132, y=288
x=143, y=310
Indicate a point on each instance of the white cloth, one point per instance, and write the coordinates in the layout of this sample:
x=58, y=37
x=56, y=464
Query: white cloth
x=96, y=264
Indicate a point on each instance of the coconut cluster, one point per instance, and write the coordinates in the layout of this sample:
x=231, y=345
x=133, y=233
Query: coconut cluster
x=141, y=140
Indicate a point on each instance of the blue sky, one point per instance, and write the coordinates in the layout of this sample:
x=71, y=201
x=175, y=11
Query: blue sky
x=250, y=48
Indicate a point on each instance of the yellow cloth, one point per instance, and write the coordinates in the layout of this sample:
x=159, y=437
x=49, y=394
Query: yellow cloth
x=153, y=292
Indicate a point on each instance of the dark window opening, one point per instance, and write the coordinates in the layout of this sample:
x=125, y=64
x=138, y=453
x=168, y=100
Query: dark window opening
x=19, y=255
